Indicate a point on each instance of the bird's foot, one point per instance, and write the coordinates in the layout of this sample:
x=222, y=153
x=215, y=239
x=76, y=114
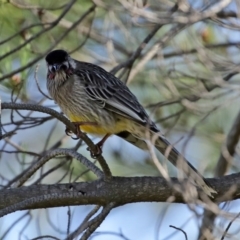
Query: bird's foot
x=97, y=151
x=78, y=129
x=98, y=147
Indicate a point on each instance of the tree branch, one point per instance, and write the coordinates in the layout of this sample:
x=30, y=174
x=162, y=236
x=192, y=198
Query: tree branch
x=227, y=153
x=30, y=63
x=223, y=164
x=56, y=152
x=119, y=190
x=68, y=124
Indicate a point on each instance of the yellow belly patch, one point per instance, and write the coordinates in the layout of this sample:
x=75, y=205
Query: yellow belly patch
x=88, y=128
x=96, y=130
x=118, y=126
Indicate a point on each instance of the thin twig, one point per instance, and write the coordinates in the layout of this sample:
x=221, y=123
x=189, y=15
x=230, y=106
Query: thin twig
x=94, y=224
x=129, y=63
x=68, y=7
x=53, y=153
x=179, y=229
x=13, y=224
x=36, y=80
x=83, y=223
x=227, y=153
x=34, y=200
x=29, y=64
x=69, y=125
x=228, y=226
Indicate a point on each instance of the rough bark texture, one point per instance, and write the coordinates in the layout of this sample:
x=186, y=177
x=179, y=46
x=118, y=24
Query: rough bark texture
x=119, y=190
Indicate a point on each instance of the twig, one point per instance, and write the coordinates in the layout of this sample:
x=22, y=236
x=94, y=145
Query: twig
x=13, y=224
x=223, y=163
x=22, y=151
x=75, y=24
x=86, y=38
x=83, y=223
x=138, y=51
x=155, y=48
x=68, y=7
x=26, y=224
x=224, y=160
x=36, y=80
x=34, y=200
x=38, y=108
x=93, y=224
x=53, y=153
x=45, y=237
x=99, y=157
x=186, y=238
x=18, y=5
x=195, y=50
x=120, y=235
x=50, y=171
x=68, y=124
x=1, y=135
x=228, y=226
x=129, y=63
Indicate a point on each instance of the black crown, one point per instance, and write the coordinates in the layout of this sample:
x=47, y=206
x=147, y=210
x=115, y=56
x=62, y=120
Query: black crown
x=56, y=56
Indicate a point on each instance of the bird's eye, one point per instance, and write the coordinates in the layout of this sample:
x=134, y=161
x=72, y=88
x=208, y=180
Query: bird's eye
x=64, y=67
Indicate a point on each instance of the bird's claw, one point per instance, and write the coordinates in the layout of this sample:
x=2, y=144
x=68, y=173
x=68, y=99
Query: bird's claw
x=69, y=133
x=96, y=152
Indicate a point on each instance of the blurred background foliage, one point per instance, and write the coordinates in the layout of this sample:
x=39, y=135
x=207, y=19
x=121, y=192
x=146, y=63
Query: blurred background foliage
x=184, y=86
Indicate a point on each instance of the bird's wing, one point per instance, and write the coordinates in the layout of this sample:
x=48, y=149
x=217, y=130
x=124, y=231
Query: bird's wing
x=111, y=93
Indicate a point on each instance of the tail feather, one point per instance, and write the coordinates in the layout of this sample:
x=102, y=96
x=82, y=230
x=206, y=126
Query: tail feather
x=127, y=136
x=163, y=146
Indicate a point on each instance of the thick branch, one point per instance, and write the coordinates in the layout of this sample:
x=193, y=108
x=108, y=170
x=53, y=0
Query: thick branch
x=119, y=190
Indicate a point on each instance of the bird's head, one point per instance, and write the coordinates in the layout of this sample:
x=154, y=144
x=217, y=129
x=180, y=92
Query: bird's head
x=60, y=65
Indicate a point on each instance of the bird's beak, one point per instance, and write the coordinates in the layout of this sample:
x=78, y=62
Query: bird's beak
x=55, y=67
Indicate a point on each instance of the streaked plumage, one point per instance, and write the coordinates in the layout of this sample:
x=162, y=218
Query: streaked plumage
x=87, y=93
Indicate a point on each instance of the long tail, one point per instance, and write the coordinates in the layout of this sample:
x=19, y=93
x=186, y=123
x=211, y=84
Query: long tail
x=174, y=157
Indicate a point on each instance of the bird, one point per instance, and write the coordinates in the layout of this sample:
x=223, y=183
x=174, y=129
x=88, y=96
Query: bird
x=99, y=103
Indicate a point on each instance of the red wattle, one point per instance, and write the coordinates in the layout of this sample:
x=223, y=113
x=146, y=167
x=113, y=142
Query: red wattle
x=51, y=75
